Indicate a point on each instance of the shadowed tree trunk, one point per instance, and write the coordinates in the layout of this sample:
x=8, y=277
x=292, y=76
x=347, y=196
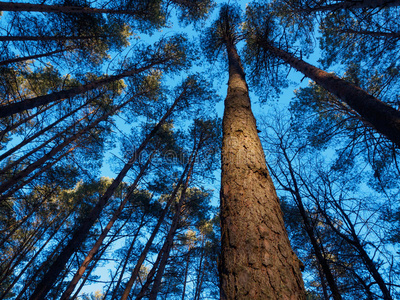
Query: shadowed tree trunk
x=79, y=273
x=160, y=220
x=309, y=228
x=257, y=261
x=10, y=109
x=23, y=38
x=348, y=4
x=8, y=6
x=384, y=118
x=36, y=56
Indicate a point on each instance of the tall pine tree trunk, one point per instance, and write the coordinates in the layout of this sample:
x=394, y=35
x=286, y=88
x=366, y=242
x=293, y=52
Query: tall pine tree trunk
x=384, y=118
x=257, y=261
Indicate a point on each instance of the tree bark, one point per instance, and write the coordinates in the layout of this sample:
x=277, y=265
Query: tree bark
x=257, y=261
x=384, y=118
x=10, y=109
x=81, y=232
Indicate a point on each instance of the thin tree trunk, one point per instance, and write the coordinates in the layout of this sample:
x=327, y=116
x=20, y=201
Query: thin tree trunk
x=186, y=274
x=10, y=109
x=149, y=242
x=36, y=56
x=81, y=232
x=25, y=38
x=169, y=242
x=151, y=274
x=383, y=117
x=371, y=33
x=28, y=264
x=8, y=6
x=25, y=120
x=42, y=160
x=200, y=273
x=79, y=273
x=41, y=132
x=29, y=282
x=15, y=227
x=309, y=228
x=39, y=162
x=126, y=260
x=348, y=4
x=355, y=242
x=323, y=284
x=257, y=261
x=25, y=248
x=37, y=174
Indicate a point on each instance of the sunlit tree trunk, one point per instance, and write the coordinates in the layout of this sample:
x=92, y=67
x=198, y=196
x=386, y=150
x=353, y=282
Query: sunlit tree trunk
x=257, y=261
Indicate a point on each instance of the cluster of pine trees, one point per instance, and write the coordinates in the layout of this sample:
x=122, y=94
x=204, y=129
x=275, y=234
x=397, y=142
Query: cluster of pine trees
x=309, y=197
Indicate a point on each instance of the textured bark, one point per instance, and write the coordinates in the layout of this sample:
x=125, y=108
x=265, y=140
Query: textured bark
x=81, y=232
x=257, y=261
x=10, y=109
x=384, y=118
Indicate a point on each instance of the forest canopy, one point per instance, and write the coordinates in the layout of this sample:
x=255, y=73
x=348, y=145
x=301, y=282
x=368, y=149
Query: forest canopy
x=123, y=174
